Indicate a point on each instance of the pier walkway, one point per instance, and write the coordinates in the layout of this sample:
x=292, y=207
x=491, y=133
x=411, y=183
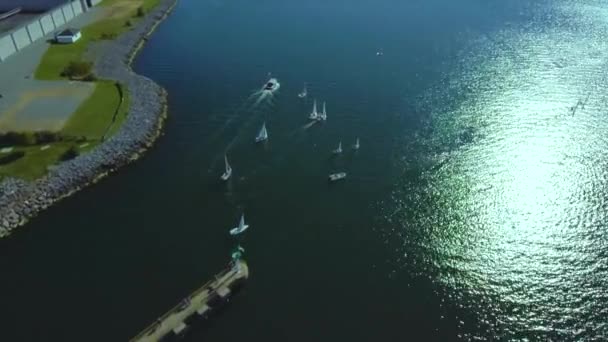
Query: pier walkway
x=199, y=303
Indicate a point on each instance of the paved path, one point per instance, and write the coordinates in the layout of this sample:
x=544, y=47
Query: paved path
x=29, y=104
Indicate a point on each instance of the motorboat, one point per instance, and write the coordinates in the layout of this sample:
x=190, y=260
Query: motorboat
x=337, y=176
x=271, y=86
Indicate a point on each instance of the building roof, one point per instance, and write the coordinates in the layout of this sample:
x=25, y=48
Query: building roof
x=69, y=32
x=30, y=5
x=15, y=21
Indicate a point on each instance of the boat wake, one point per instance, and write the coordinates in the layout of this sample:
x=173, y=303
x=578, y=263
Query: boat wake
x=308, y=125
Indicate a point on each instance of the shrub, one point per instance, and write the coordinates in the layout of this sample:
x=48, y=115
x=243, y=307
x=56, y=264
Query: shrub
x=11, y=157
x=90, y=78
x=107, y=36
x=45, y=137
x=71, y=153
x=17, y=138
x=128, y=23
x=140, y=11
x=77, y=69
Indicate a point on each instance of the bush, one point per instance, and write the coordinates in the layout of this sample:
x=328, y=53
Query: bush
x=16, y=138
x=77, y=69
x=29, y=138
x=140, y=11
x=107, y=36
x=45, y=137
x=90, y=78
x=128, y=23
x=71, y=153
x=11, y=157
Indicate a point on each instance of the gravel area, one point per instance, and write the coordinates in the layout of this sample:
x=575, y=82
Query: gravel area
x=20, y=200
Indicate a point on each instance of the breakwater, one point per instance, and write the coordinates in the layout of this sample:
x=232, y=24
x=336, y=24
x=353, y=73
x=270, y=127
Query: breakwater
x=197, y=306
x=20, y=200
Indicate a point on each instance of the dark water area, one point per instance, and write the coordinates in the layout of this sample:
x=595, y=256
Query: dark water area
x=475, y=209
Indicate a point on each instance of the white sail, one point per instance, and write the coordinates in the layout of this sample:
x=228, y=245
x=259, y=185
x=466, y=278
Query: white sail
x=241, y=228
x=324, y=113
x=314, y=115
x=339, y=149
x=228, y=171
x=304, y=92
x=263, y=134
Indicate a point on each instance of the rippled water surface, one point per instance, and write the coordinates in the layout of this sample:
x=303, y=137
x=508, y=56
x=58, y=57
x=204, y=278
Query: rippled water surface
x=476, y=208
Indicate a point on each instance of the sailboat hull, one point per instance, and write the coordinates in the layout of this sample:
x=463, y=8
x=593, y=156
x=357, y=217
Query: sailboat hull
x=238, y=230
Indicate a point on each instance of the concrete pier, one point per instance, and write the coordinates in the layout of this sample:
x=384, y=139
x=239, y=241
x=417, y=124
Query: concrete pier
x=197, y=305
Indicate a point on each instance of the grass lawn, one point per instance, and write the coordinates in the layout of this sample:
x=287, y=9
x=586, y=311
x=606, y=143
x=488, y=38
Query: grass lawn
x=94, y=117
x=114, y=22
x=121, y=116
x=35, y=162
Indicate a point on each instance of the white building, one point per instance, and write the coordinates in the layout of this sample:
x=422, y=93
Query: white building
x=68, y=36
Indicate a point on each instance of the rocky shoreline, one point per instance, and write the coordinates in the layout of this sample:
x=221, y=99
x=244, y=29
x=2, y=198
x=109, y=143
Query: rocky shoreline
x=21, y=200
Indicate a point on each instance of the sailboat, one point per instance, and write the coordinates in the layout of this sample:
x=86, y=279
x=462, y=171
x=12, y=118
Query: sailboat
x=241, y=228
x=263, y=135
x=314, y=115
x=356, y=145
x=323, y=115
x=228, y=171
x=339, y=149
x=304, y=93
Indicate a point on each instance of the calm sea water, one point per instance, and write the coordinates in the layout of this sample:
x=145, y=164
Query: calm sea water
x=475, y=209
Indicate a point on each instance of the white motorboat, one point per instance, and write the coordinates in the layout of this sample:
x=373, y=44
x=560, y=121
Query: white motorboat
x=271, y=86
x=337, y=176
x=356, y=145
